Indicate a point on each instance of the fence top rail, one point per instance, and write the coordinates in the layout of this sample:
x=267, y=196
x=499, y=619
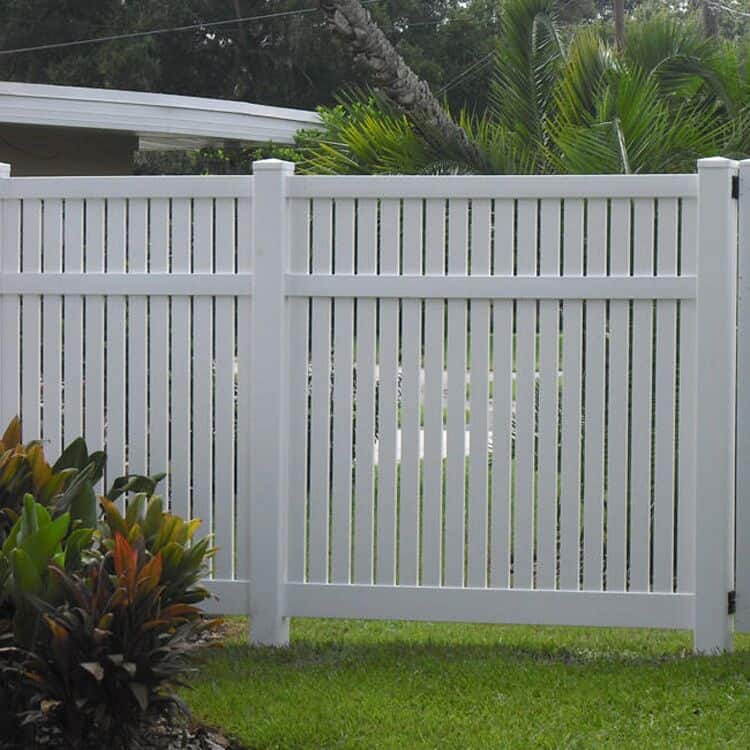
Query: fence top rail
x=369, y=186
x=180, y=186
x=500, y=186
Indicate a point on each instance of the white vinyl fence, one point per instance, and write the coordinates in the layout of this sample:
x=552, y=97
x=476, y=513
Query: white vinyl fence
x=490, y=399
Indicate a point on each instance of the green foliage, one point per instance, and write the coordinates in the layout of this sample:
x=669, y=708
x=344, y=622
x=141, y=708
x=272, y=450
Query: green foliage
x=567, y=104
x=165, y=535
x=36, y=542
x=526, y=68
x=65, y=487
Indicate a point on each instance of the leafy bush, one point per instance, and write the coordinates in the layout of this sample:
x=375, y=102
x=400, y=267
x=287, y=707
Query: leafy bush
x=98, y=608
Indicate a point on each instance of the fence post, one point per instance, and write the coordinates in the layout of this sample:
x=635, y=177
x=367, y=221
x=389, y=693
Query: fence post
x=742, y=520
x=715, y=424
x=268, y=400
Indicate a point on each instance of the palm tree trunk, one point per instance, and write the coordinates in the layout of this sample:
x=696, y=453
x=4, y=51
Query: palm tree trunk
x=710, y=19
x=393, y=77
x=618, y=11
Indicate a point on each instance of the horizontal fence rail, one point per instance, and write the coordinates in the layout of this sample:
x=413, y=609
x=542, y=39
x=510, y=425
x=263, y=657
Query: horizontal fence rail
x=448, y=398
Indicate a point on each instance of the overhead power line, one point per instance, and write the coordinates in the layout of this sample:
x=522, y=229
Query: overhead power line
x=728, y=9
x=469, y=72
x=170, y=30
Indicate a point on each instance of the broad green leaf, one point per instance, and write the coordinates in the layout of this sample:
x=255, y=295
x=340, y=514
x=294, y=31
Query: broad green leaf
x=26, y=577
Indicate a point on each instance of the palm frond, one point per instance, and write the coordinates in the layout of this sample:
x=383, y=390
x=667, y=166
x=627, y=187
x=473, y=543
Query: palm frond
x=526, y=67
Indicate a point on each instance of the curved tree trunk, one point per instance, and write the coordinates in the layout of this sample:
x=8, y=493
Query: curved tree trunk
x=393, y=77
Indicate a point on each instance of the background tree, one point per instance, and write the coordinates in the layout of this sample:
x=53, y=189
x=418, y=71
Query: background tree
x=289, y=60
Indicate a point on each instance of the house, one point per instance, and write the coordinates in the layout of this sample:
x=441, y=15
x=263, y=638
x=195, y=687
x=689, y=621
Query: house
x=69, y=130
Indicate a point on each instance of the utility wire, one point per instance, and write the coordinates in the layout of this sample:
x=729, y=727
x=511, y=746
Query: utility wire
x=173, y=29
x=472, y=70
x=728, y=9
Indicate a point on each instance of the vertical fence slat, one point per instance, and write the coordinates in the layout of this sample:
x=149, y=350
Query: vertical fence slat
x=742, y=512
x=158, y=355
x=476, y=571
x=73, y=351
x=364, y=478
x=223, y=447
x=31, y=321
x=202, y=342
x=617, y=424
x=502, y=400
x=137, y=341
x=666, y=356
x=640, y=449
x=549, y=324
x=432, y=505
x=411, y=363
x=320, y=429
x=299, y=260
x=570, y=454
x=52, y=252
x=180, y=464
x=388, y=399
x=10, y=336
x=593, y=498
x=343, y=394
x=243, y=438
x=523, y=527
x=455, y=465
x=687, y=415
x=94, y=395
x=116, y=337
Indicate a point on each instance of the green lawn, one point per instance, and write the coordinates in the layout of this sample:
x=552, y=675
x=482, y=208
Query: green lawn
x=346, y=684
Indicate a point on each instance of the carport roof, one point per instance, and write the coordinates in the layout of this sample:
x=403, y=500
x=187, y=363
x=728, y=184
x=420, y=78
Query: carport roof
x=161, y=121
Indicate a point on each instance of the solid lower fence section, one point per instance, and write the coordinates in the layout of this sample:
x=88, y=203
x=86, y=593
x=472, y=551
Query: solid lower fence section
x=449, y=398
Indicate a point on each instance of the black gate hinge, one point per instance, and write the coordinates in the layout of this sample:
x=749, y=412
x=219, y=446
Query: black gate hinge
x=735, y=186
x=732, y=602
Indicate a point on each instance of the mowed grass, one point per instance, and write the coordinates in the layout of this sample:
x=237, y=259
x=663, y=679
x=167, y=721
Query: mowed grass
x=346, y=684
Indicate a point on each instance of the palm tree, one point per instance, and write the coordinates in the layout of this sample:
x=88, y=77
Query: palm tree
x=579, y=106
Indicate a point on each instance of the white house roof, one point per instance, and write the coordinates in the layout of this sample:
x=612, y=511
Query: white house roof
x=161, y=121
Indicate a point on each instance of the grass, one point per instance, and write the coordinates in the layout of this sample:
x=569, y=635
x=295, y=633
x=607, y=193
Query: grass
x=346, y=684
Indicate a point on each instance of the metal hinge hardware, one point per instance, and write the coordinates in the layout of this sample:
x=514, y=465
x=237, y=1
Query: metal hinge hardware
x=732, y=602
